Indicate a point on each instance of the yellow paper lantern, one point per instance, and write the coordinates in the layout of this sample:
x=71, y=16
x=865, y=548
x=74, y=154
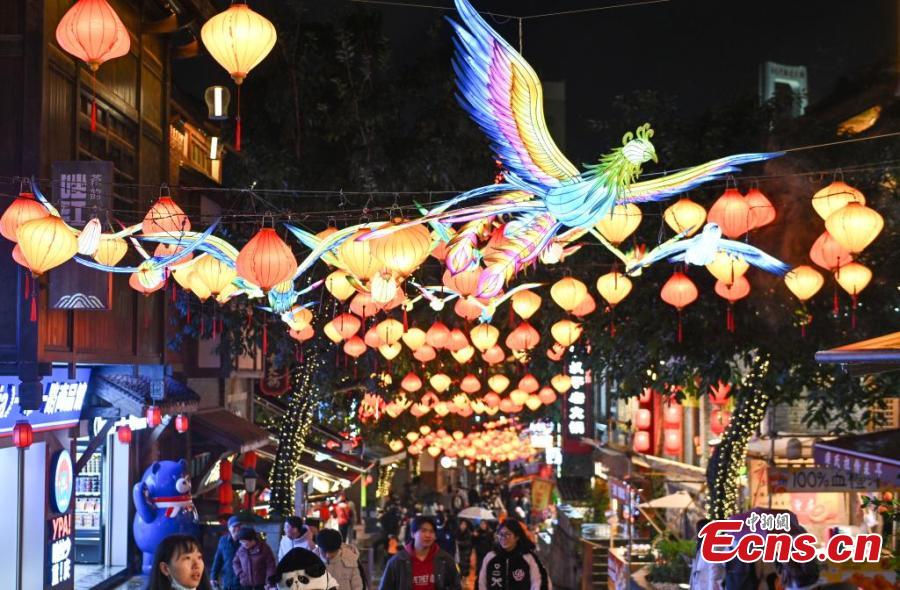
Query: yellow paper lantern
x=568, y=293
x=684, y=215
x=804, y=282
x=440, y=382
x=111, y=251
x=561, y=383
x=358, y=258
x=855, y=226
x=414, y=338
x=338, y=285
x=45, y=243
x=518, y=397
x=614, y=287
x=404, y=250
x=727, y=267
x=463, y=355
x=390, y=351
x=533, y=402
x=216, y=275
x=383, y=288
x=238, y=39
x=526, y=303
x=853, y=278
x=565, y=332
x=834, y=197
x=498, y=383
x=332, y=332
x=484, y=336
x=621, y=222
x=199, y=288
x=389, y=330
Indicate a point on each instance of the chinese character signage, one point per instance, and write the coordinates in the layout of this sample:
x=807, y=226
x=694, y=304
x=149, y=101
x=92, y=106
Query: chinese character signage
x=820, y=479
x=82, y=191
x=61, y=407
x=883, y=469
x=578, y=419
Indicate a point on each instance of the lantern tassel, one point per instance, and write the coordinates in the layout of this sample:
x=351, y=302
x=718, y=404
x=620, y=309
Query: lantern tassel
x=237, y=121
x=853, y=312
x=27, y=291
x=679, y=327
x=33, y=316
x=265, y=339
x=93, y=101
x=612, y=321
x=837, y=309
x=405, y=321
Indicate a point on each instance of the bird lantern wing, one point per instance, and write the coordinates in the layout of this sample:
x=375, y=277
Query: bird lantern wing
x=663, y=187
x=503, y=95
x=755, y=256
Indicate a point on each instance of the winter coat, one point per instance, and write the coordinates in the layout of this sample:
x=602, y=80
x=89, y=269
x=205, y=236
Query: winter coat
x=254, y=566
x=512, y=570
x=344, y=567
x=398, y=572
x=222, y=563
x=464, y=540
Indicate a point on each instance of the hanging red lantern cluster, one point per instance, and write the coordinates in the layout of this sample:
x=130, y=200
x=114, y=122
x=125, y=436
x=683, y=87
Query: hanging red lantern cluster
x=643, y=422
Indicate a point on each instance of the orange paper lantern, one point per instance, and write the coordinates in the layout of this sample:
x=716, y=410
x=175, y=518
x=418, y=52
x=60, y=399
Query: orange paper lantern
x=762, y=212
x=828, y=253
x=266, y=260
x=621, y=222
x=523, y=337
x=22, y=210
x=732, y=213
x=684, y=215
x=679, y=292
x=165, y=217
x=46, y=243
x=855, y=226
x=835, y=196
x=568, y=293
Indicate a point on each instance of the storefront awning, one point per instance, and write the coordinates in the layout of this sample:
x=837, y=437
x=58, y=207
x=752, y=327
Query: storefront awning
x=229, y=430
x=351, y=462
x=876, y=355
x=131, y=395
x=874, y=456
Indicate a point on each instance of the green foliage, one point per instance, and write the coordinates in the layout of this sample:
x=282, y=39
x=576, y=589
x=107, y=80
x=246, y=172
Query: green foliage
x=673, y=562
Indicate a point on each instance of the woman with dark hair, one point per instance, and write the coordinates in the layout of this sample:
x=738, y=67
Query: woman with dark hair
x=512, y=564
x=178, y=565
x=482, y=541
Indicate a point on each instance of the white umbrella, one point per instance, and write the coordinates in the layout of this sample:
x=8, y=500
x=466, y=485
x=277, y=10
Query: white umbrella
x=476, y=513
x=678, y=500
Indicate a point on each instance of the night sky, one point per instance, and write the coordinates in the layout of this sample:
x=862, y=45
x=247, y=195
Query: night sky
x=703, y=52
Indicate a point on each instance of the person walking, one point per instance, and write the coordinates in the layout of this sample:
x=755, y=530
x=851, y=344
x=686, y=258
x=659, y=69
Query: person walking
x=254, y=562
x=703, y=573
x=227, y=547
x=178, y=565
x=296, y=534
x=482, y=541
x=512, y=564
x=464, y=548
x=423, y=565
x=341, y=560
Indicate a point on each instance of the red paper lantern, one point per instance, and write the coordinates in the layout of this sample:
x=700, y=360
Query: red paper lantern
x=225, y=470
x=672, y=415
x=828, y=253
x=732, y=213
x=226, y=497
x=437, y=335
x=266, y=260
x=154, y=416
x=762, y=212
x=93, y=32
x=739, y=289
x=470, y=384
x=672, y=441
x=679, y=292
x=23, y=434
x=547, y=396
x=355, y=347
x=641, y=441
x=646, y=395
x=250, y=458
x=523, y=337
x=529, y=383
x=642, y=419
x=718, y=420
x=124, y=434
x=182, y=423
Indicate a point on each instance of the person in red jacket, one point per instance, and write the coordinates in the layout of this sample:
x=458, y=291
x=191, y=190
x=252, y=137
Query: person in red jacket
x=254, y=562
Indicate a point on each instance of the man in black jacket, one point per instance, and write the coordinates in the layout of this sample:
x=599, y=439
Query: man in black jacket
x=423, y=565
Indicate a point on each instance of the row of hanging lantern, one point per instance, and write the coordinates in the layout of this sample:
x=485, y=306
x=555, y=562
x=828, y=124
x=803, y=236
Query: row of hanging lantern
x=499, y=441
x=238, y=39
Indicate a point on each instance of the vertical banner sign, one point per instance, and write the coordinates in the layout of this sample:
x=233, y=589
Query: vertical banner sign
x=60, y=552
x=82, y=191
x=578, y=418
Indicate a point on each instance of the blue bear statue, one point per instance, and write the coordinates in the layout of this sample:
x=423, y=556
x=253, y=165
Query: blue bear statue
x=163, y=506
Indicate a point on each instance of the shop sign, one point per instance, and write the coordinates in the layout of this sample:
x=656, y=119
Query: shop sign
x=818, y=479
x=879, y=471
x=618, y=490
x=63, y=480
x=82, y=189
x=61, y=408
x=60, y=540
x=59, y=556
x=541, y=489
x=577, y=417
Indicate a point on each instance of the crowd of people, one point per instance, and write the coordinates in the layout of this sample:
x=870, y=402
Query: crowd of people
x=422, y=546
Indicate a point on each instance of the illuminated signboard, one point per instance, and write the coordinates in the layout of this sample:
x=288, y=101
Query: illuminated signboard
x=60, y=542
x=577, y=420
x=63, y=399
x=62, y=480
x=60, y=551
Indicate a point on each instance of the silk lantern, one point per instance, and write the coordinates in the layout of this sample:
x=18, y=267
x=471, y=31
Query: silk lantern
x=414, y=338
x=547, y=396
x=719, y=420
x=46, y=243
x=518, y=396
x=465, y=283
x=363, y=306
x=762, y=212
x=525, y=303
x=216, y=275
x=568, y=293
x=528, y=383
x=855, y=226
x=685, y=216
x=470, y=384
x=411, y=382
x=456, y=341
x=110, y=251
x=679, y=292
x=498, y=383
x=561, y=383
x=266, y=260
x=440, y=382
x=494, y=355
x=463, y=355
x=621, y=222
x=641, y=441
x=853, y=278
x=835, y=196
x=165, y=217
x=403, y=250
x=467, y=310
x=672, y=441
x=389, y=330
x=804, y=282
x=828, y=253
x=731, y=212
x=586, y=307
x=437, y=335
x=735, y=291
x=22, y=210
x=93, y=32
x=727, y=267
x=565, y=332
x=425, y=354
x=672, y=415
x=613, y=287
x=355, y=347
x=390, y=351
x=358, y=258
x=338, y=285
x=533, y=402
x=484, y=336
x=238, y=39
x=523, y=337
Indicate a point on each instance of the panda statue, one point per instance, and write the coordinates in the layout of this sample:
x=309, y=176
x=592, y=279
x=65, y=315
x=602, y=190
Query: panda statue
x=301, y=569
